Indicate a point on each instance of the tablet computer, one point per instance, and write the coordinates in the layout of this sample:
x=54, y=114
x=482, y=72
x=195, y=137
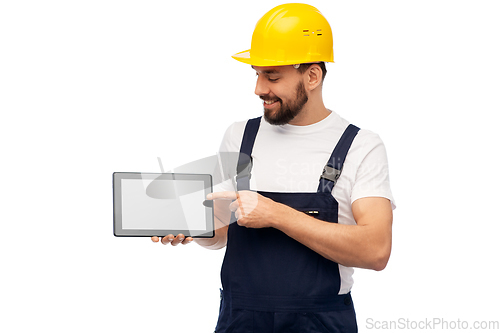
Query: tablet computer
x=159, y=204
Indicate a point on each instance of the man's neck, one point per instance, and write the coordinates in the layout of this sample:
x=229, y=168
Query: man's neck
x=310, y=114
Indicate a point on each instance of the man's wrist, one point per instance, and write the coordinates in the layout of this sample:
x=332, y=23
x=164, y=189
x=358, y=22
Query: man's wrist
x=208, y=243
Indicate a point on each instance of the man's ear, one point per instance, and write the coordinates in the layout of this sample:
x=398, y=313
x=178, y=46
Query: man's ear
x=314, y=77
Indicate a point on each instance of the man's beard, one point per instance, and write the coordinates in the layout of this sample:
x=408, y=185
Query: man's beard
x=287, y=111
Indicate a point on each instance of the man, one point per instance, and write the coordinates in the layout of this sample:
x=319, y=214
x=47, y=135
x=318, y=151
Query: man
x=289, y=259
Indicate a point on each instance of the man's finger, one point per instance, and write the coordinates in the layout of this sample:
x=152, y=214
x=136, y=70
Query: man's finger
x=179, y=239
x=234, y=206
x=228, y=195
x=167, y=239
x=238, y=213
x=155, y=239
x=187, y=240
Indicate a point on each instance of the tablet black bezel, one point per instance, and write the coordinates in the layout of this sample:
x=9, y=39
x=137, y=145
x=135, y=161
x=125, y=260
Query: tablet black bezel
x=118, y=231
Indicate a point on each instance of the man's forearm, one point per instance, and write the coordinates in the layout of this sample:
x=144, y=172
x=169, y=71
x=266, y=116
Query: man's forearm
x=365, y=246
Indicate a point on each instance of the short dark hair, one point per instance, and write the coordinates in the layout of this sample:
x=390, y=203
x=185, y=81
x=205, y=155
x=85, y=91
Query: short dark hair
x=303, y=67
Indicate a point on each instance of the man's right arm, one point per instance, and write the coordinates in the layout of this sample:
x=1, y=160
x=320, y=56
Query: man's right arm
x=222, y=216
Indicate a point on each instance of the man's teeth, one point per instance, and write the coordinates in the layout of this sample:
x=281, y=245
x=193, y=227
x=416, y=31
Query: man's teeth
x=269, y=102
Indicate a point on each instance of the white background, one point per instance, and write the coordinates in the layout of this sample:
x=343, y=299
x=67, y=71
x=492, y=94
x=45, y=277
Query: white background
x=92, y=87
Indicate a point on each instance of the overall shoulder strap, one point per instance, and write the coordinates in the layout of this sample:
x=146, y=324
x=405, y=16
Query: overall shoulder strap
x=245, y=158
x=333, y=169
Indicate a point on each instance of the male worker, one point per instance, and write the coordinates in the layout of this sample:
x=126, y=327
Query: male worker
x=316, y=202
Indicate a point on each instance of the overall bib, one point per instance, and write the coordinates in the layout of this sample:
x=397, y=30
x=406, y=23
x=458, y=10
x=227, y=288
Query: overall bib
x=271, y=282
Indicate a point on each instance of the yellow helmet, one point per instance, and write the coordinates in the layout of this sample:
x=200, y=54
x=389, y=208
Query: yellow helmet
x=289, y=34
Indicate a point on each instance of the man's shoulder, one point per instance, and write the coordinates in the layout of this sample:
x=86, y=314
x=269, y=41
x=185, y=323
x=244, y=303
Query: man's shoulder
x=367, y=136
x=367, y=148
x=237, y=128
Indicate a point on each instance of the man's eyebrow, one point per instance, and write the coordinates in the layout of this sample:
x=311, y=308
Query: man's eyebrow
x=268, y=71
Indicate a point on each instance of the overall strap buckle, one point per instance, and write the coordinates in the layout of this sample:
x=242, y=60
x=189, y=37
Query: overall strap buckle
x=331, y=174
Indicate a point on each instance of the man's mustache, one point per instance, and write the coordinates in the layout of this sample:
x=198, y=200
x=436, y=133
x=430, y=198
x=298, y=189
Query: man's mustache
x=269, y=98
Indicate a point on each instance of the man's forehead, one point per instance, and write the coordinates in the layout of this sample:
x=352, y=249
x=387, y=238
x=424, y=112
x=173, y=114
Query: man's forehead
x=269, y=69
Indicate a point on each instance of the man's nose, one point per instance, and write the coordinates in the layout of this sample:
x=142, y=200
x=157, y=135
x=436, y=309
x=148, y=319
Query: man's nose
x=261, y=87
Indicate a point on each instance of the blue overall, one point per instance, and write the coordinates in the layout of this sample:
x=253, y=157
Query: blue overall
x=271, y=282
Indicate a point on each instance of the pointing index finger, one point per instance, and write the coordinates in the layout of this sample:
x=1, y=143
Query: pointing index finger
x=227, y=195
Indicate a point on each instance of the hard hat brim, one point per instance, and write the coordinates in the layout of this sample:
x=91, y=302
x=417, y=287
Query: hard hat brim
x=246, y=58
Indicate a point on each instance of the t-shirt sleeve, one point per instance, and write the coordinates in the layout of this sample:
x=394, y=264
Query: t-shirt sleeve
x=372, y=175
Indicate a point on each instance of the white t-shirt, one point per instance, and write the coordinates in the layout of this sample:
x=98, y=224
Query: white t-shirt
x=291, y=158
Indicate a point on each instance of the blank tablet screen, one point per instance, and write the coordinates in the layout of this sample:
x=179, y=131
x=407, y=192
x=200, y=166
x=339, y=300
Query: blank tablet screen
x=152, y=204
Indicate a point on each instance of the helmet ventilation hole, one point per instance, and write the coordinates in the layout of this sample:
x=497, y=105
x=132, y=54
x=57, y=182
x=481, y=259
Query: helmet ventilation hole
x=317, y=32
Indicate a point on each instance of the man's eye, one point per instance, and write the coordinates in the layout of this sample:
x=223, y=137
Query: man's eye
x=273, y=80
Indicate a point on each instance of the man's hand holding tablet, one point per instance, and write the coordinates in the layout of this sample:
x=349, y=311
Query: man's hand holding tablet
x=173, y=240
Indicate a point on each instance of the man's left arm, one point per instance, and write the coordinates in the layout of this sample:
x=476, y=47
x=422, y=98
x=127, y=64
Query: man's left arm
x=366, y=244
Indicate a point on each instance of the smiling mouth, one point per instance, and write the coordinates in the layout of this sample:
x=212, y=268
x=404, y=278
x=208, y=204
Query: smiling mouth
x=268, y=103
